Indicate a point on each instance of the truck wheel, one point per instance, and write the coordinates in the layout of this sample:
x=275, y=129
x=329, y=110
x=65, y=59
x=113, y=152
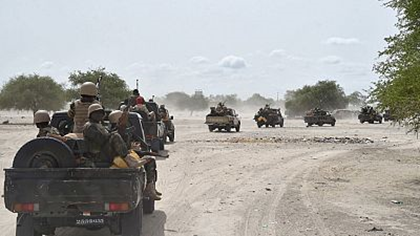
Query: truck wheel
x=172, y=136
x=259, y=125
x=380, y=121
x=238, y=128
x=44, y=153
x=267, y=125
x=333, y=124
x=281, y=124
x=131, y=222
x=320, y=124
x=211, y=128
x=148, y=206
x=228, y=128
x=162, y=144
x=25, y=226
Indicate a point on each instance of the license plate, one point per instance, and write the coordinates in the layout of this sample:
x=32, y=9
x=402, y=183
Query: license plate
x=83, y=222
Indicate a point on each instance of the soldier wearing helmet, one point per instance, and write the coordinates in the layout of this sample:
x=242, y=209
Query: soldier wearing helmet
x=150, y=166
x=79, y=109
x=42, y=122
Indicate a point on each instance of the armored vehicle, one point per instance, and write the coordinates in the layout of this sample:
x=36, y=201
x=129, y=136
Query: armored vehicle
x=319, y=117
x=48, y=188
x=368, y=114
x=269, y=117
x=388, y=116
x=223, y=118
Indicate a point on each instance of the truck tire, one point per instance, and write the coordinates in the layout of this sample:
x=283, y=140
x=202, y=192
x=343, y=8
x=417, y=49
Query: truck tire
x=44, y=152
x=320, y=124
x=148, y=206
x=281, y=124
x=333, y=124
x=228, y=128
x=238, y=128
x=267, y=125
x=131, y=222
x=25, y=226
x=172, y=136
x=211, y=128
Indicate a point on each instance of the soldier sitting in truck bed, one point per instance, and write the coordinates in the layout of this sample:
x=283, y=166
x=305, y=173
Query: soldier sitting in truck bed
x=108, y=149
x=150, y=167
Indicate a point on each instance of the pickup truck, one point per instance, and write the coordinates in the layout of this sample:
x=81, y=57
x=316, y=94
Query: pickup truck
x=226, y=122
x=47, y=189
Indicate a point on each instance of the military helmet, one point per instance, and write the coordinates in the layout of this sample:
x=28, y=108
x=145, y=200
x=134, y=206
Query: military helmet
x=88, y=89
x=41, y=116
x=114, y=116
x=94, y=107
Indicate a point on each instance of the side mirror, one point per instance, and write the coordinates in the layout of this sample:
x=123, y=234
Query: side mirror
x=172, y=117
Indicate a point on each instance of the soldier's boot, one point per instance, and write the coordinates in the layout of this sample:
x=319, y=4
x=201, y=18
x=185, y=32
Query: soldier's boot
x=150, y=192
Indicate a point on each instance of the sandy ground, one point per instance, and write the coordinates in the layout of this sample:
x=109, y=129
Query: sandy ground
x=273, y=181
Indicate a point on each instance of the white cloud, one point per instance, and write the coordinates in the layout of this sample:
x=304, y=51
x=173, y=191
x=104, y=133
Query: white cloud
x=277, y=53
x=233, y=62
x=342, y=41
x=47, y=65
x=331, y=60
x=199, y=60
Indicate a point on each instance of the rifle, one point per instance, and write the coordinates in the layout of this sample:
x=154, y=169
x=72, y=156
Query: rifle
x=98, y=87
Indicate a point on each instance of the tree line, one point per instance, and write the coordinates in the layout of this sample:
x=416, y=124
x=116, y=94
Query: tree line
x=34, y=92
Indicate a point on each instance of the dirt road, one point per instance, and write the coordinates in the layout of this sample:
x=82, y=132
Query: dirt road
x=351, y=179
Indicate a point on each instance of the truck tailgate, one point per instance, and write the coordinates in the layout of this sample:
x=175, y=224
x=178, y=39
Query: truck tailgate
x=60, y=191
x=217, y=120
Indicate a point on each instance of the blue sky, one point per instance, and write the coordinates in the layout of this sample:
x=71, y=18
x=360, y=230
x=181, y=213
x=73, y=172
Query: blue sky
x=219, y=46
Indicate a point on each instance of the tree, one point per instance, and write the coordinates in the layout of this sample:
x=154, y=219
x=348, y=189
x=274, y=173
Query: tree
x=325, y=95
x=398, y=88
x=180, y=100
x=256, y=100
x=198, y=102
x=113, y=89
x=32, y=92
x=357, y=99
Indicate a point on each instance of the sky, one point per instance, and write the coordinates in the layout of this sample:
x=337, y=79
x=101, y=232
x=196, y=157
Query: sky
x=218, y=46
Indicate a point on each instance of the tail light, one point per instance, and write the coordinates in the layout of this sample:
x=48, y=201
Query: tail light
x=25, y=207
x=117, y=206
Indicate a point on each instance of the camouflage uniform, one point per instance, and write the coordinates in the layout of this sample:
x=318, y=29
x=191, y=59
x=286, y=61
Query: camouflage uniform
x=79, y=113
x=103, y=146
x=47, y=131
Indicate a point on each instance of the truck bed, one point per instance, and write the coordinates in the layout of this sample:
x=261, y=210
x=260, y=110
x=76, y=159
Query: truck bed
x=61, y=191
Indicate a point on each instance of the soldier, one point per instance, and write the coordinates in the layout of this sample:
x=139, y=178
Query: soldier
x=133, y=98
x=79, y=108
x=42, y=122
x=164, y=113
x=106, y=148
x=150, y=167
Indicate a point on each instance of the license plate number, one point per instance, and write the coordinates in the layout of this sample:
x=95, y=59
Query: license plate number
x=90, y=221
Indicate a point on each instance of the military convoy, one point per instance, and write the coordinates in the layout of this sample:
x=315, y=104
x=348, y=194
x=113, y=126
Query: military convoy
x=370, y=115
x=47, y=187
x=269, y=117
x=318, y=117
x=223, y=118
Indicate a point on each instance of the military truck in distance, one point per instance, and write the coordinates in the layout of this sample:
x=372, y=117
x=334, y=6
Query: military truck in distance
x=48, y=189
x=269, y=117
x=319, y=117
x=368, y=114
x=223, y=118
x=388, y=116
